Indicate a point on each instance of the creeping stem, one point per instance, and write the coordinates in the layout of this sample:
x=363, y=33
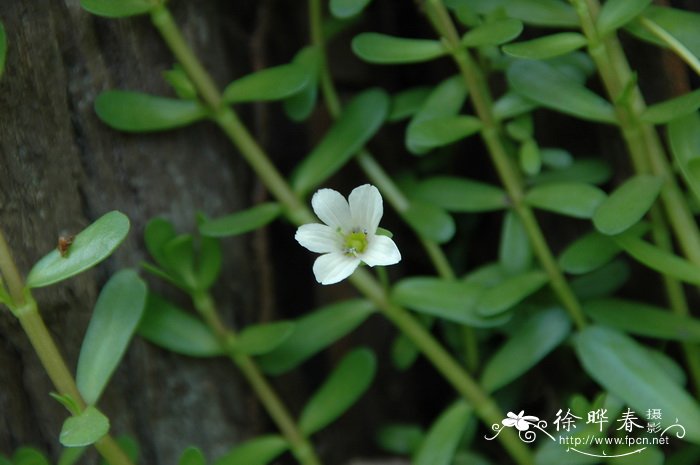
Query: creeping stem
x=481, y=98
x=299, y=213
x=24, y=307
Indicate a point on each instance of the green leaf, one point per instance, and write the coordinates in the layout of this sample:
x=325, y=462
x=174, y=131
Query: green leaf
x=360, y=120
x=209, y=263
x=440, y=444
x=179, y=257
x=510, y=292
x=180, y=82
x=384, y=49
x=548, y=13
x=258, y=451
x=546, y=47
x=556, y=158
x=158, y=232
x=623, y=367
x=130, y=447
x=684, y=138
x=70, y=455
x=578, y=200
x=529, y=157
x=627, y=205
x=446, y=99
x=3, y=48
x=403, y=352
x=170, y=327
x=67, y=401
x=85, y=429
x=29, y=456
x=588, y=253
x=328, y=324
x=460, y=194
x=441, y=131
x=115, y=318
x=589, y=171
x=493, y=33
x=192, y=456
x=643, y=319
x=510, y=105
x=242, y=222
x=451, y=300
x=348, y=381
x=137, y=112
x=602, y=282
x=400, y=439
x=91, y=246
x=681, y=24
x=406, y=103
x=617, y=13
x=117, y=8
x=545, y=85
x=300, y=105
x=347, y=8
x=264, y=338
x=659, y=259
x=671, y=109
x=514, y=250
x=536, y=338
x=430, y=222
x=274, y=83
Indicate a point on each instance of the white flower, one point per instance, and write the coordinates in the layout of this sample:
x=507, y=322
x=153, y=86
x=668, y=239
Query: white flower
x=521, y=421
x=348, y=236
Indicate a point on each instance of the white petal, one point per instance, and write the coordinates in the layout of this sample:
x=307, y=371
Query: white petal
x=381, y=250
x=332, y=209
x=334, y=267
x=366, y=207
x=319, y=238
x=509, y=422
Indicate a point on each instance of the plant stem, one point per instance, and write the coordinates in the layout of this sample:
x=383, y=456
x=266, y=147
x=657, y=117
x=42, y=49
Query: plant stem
x=673, y=43
x=24, y=307
x=490, y=133
x=300, y=445
x=299, y=213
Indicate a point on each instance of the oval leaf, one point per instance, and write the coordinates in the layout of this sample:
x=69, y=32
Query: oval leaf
x=671, y=109
x=407, y=103
x=617, y=363
x=430, y=222
x=451, y=300
x=441, y=441
x=138, y=112
x=602, y=282
x=347, y=8
x=659, y=259
x=617, y=13
x=384, y=49
x=493, y=33
x=441, y=131
x=241, y=222
x=261, y=339
x=400, y=439
x=627, y=205
x=275, y=83
x=572, y=199
x=588, y=253
x=85, y=429
x=681, y=24
x=360, y=120
x=536, y=338
x=511, y=291
x=299, y=106
x=588, y=171
x=258, y=451
x=684, y=138
x=327, y=325
x=546, y=47
x=514, y=250
x=114, y=320
x=167, y=326
x=644, y=320
x=117, y=8
x=545, y=85
x=460, y=194
x=94, y=244
x=340, y=391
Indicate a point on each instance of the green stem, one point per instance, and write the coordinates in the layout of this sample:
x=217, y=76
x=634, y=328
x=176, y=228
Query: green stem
x=24, y=307
x=300, y=445
x=648, y=157
x=299, y=214
x=673, y=43
x=481, y=99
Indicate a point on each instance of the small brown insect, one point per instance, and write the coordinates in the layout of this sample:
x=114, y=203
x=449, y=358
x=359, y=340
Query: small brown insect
x=64, y=243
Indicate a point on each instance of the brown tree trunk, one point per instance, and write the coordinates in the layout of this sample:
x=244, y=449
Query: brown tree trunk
x=61, y=168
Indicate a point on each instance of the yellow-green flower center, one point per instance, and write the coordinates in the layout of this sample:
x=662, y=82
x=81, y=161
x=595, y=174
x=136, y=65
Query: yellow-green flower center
x=355, y=242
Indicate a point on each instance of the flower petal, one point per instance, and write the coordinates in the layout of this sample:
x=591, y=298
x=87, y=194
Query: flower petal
x=334, y=267
x=509, y=422
x=366, y=207
x=381, y=250
x=332, y=209
x=319, y=238
x=522, y=425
